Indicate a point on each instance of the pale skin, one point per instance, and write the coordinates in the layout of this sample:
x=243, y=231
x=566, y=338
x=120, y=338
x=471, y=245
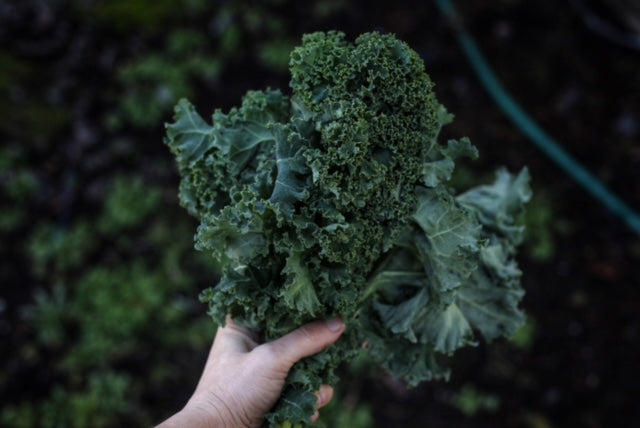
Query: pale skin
x=243, y=379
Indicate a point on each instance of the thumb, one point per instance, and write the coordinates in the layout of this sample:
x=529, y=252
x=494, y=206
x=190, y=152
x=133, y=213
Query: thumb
x=306, y=341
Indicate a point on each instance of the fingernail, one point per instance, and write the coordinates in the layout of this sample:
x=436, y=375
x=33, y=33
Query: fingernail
x=335, y=324
x=323, y=398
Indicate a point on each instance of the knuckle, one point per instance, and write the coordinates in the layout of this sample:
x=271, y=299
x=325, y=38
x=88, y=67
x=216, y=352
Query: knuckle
x=306, y=333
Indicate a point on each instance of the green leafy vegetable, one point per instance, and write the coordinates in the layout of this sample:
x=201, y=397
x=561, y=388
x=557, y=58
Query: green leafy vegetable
x=333, y=201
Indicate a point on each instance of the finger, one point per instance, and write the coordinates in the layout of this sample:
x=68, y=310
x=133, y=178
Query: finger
x=306, y=341
x=324, y=394
x=234, y=338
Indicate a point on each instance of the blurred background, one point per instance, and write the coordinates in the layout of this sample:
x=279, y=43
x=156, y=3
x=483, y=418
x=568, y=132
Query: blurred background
x=100, y=324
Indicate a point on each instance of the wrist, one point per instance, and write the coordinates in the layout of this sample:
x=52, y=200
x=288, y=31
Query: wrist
x=195, y=416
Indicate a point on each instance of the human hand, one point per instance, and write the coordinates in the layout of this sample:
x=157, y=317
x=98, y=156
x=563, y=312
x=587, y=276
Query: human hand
x=242, y=379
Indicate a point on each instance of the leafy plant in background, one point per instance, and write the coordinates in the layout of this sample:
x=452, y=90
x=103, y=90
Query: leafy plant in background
x=469, y=400
x=153, y=83
x=19, y=183
x=340, y=414
x=334, y=201
x=105, y=306
x=542, y=226
x=524, y=337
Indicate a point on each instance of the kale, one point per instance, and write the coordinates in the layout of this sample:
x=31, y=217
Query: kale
x=335, y=201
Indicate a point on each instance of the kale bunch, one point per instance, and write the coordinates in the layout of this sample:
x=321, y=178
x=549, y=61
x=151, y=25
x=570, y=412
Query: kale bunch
x=333, y=201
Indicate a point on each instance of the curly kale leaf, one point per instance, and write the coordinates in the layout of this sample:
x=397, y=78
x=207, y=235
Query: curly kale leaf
x=333, y=201
x=215, y=161
x=453, y=274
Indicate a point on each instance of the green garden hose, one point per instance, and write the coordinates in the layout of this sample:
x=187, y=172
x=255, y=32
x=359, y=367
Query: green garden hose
x=531, y=129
